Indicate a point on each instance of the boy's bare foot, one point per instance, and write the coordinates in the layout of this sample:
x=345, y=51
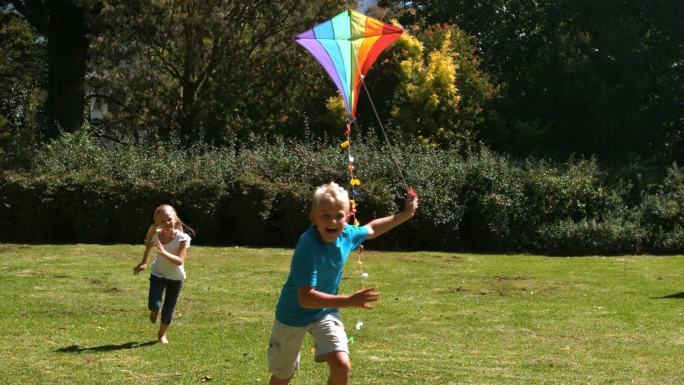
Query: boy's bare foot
x=153, y=315
x=163, y=339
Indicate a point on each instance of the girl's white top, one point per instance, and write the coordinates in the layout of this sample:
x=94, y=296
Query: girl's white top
x=162, y=267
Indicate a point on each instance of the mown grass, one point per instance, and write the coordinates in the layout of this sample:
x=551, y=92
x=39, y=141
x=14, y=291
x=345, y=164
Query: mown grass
x=75, y=314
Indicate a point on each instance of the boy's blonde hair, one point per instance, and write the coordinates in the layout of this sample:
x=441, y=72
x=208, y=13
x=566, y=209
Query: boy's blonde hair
x=327, y=191
x=171, y=211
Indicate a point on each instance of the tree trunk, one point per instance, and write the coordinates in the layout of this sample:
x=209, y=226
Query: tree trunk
x=67, y=56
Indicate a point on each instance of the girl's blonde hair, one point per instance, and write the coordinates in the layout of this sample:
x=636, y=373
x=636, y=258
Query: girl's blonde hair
x=180, y=225
x=330, y=190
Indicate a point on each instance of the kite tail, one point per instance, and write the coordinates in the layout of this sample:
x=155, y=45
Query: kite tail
x=353, y=181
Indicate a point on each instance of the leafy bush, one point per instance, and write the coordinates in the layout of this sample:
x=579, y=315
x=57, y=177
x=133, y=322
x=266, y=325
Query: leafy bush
x=662, y=212
x=589, y=236
x=77, y=189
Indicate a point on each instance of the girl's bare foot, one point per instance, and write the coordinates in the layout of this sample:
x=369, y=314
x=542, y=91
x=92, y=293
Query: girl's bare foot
x=162, y=333
x=162, y=339
x=153, y=315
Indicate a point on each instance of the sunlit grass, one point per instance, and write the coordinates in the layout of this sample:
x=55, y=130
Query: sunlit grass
x=76, y=314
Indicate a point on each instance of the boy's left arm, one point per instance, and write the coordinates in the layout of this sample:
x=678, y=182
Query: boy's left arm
x=380, y=226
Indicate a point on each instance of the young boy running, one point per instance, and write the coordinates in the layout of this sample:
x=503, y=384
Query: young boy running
x=309, y=301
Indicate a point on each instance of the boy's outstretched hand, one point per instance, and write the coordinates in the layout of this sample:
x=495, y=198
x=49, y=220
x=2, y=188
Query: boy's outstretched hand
x=411, y=202
x=362, y=298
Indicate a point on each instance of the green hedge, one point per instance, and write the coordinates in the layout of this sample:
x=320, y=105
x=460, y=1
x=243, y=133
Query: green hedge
x=79, y=190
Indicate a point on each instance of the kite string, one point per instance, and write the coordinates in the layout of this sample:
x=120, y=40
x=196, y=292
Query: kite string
x=392, y=149
x=392, y=152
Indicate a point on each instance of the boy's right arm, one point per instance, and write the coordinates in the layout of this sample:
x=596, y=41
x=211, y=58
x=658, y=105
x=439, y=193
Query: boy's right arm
x=310, y=298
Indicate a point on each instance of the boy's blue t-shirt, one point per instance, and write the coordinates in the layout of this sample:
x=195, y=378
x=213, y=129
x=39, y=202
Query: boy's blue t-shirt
x=318, y=264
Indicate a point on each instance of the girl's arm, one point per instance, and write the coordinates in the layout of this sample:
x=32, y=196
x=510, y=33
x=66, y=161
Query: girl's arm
x=175, y=259
x=380, y=226
x=143, y=264
x=310, y=298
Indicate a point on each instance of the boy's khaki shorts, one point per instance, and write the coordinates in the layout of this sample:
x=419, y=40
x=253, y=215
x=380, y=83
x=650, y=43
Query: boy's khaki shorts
x=286, y=341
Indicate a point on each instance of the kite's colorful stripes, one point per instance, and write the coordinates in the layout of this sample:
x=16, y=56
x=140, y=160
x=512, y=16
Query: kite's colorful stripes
x=346, y=46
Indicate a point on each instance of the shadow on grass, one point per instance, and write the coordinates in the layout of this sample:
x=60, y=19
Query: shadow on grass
x=104, y=348
x=676, y=295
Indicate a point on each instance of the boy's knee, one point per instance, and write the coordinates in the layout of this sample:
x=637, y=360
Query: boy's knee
x=339, y=363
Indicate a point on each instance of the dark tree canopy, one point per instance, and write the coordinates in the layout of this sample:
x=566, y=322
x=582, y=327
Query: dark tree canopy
x=579, y=76
x=573, y=76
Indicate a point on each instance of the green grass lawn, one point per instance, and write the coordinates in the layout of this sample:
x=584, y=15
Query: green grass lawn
x=75, y=314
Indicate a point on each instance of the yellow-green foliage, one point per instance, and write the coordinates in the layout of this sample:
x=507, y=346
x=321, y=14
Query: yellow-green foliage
x=337, y=112
x=430, y=85
x=432, y=96
x=441, y=91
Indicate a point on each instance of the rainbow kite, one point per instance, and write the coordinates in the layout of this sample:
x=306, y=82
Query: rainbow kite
x=347, y=46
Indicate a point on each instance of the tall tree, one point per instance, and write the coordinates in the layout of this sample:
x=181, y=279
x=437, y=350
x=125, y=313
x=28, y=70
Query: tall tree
x=23, y=74
x=64, y=24
x=188, y=66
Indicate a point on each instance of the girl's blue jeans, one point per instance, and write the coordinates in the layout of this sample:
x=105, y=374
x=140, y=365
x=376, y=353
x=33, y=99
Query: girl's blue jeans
x=157, y=288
